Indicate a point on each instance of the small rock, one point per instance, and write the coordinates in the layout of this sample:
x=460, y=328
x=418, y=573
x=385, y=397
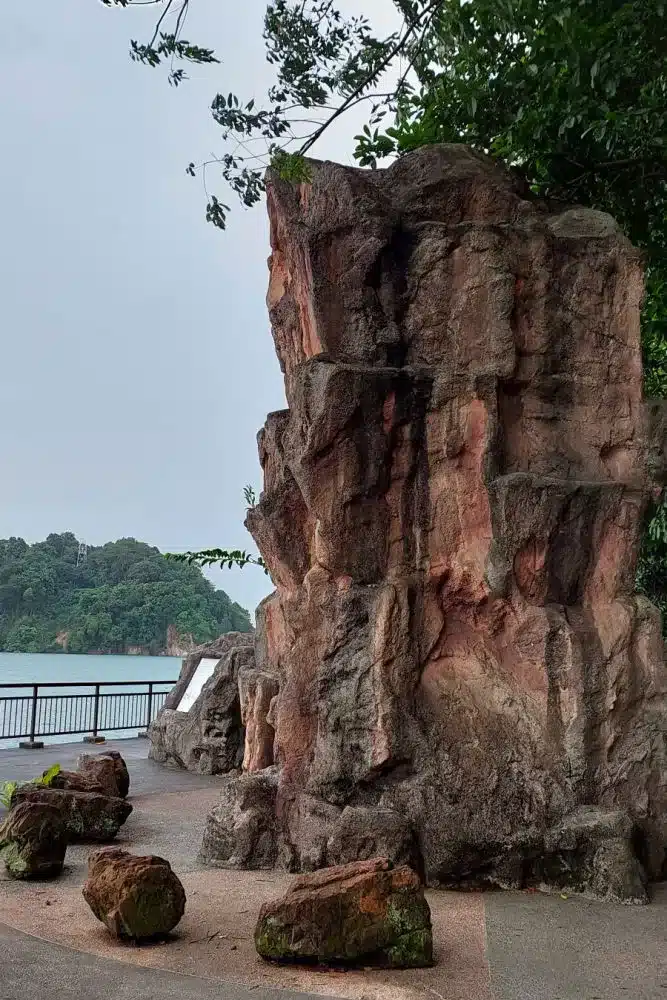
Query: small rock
x=88, y=816
x=366, y=910
x=33, y=840
x=137, y=898
x=107, y=769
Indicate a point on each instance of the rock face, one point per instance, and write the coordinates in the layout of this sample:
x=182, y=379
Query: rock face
x=87, y=815
x=365, y=911
x=209, y=738
x=451, y=513
x=137, y=898
x=33, y=840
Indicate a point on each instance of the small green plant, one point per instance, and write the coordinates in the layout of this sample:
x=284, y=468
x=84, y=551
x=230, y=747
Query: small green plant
x=45, y=780
x=250, y=496
x=7, y=790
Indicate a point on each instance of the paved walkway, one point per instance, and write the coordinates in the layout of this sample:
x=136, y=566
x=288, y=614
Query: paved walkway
x=493, y=946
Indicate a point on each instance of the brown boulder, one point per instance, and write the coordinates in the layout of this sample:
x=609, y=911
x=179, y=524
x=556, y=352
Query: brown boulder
x=33, y=840
x=366, y=911
x=74, y=781
x=88, y=815
x=107, y=769
x=137, y=898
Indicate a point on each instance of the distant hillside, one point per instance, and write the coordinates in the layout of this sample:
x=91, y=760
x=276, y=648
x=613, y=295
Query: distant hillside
x=125, y=597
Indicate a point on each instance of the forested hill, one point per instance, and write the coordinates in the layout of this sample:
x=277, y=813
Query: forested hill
x=123, y=597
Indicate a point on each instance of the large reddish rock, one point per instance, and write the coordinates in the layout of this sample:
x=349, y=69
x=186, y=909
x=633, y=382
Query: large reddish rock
x=451, y=515
x=33, y=840
x=366, y=911
x=136, y=898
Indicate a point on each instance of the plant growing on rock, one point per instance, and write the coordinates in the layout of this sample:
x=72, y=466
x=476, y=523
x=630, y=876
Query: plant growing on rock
x=45, y=780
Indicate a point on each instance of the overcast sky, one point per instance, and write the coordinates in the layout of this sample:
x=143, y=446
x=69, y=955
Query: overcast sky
x=137, y=363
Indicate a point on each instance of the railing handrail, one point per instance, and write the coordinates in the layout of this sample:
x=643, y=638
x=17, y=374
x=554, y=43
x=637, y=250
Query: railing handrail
x=53, y=708
x=73, y=684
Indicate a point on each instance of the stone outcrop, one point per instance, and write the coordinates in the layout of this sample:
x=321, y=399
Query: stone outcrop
x=208, y=651
x=136, y=898
x=362, y=912
x=33, y=841
x=209, y=738
x=451, y=514
x=88, y=816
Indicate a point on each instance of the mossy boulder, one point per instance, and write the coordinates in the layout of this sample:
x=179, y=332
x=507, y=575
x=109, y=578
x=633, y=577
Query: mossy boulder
x=88, y=815
x=136, y=898
x=33, y=841
x=366, y=912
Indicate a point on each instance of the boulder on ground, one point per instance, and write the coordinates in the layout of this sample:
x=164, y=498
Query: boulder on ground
x=136, y=898
x=88, y=815
x=366, y=911
x=107, y=769
x=74, y=781
x=33, y=840
x=240, y=831
x=591, y=852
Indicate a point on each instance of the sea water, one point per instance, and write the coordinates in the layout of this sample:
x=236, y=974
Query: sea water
x=65, y=668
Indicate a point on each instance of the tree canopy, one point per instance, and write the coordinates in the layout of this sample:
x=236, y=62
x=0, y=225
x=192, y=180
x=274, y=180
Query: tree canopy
x=124, y=595
x=570, y=94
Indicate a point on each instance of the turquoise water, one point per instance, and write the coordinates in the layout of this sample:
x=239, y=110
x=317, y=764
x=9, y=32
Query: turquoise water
x=65, y=668
x=44, y=668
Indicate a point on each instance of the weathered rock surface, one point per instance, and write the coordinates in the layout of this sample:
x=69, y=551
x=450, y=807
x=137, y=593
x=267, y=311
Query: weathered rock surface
x=137, y=898
x=87, y=815
x=103, y=773
x=451, y=514
x=108, y=769
x=241, y=831
x=75, y=781
x=33, y=840
x=366, y=911
x=209, y=738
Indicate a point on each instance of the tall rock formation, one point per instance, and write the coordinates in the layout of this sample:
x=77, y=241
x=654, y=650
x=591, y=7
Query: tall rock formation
x=451, y=514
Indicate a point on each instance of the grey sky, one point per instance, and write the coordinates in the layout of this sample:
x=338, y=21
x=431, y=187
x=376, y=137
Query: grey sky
x=137, y=363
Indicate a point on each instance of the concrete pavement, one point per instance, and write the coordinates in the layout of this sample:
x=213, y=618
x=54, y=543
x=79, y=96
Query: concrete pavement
x=493, y=946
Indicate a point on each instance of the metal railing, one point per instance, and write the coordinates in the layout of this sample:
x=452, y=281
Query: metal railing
x=78, y=708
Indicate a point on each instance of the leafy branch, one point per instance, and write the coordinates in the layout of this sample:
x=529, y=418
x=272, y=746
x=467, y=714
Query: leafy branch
x=325, y=63
x=225, y=558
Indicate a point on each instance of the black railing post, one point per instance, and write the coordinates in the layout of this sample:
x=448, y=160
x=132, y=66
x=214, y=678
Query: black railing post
x=32, y=743
x=149, y=713
x=96, y=720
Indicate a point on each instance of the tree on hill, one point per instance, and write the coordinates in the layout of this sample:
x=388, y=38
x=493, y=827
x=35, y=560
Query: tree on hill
x=570, y=94
x=125, y=594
